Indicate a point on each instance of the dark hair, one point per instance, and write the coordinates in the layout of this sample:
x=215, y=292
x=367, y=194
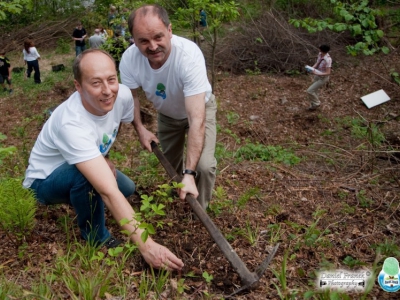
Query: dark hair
x=324, y=48
x=76, y=68
x=27, y=44
x=154, y=9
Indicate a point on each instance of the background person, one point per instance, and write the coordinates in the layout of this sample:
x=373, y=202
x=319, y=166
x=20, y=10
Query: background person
x=79, y=35
x=68, y=165
x=323, y=65
x=95, y=41
x=172, y=72
x=5, y=72
x=31, y=58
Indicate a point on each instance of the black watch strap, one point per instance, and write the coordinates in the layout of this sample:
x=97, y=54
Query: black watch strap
x=190, y=172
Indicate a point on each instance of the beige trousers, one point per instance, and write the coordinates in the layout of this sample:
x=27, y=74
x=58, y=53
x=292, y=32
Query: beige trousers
x=172, y=137
x=313, y=90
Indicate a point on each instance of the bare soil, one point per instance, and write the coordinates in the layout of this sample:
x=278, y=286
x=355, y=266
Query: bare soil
x=354, y=186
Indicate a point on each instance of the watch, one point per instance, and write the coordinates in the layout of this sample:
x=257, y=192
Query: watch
x=190, y=172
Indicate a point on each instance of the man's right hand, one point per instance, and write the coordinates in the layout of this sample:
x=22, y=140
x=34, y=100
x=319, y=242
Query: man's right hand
x=158, y=256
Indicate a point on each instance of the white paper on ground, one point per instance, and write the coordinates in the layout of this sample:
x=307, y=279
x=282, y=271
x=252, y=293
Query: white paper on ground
x=375, y=98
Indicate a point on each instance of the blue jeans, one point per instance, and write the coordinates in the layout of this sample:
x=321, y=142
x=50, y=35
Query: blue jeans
x=79, y=49
x=67, y=185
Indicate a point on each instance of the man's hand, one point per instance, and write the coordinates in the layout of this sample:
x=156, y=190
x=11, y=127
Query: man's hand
x=189, y=187
x=158, y=256
x=112, y=167
x=146, y=137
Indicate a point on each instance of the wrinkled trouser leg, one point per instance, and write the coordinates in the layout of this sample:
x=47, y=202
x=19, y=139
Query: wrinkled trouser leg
x=36, y=76
x=313, y=90
x=66, y=184
x=172, y=133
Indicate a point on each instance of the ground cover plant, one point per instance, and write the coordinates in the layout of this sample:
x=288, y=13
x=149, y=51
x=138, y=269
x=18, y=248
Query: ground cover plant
x=323, y=184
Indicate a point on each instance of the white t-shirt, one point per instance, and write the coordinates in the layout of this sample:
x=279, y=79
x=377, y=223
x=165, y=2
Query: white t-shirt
x=32, y=55
x=184, y=74
x=74, y=135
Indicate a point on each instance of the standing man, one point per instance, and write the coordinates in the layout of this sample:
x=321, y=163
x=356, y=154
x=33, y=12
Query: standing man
x=68, y=164
x=79, y=35
x=172, y=72
x=95, y=41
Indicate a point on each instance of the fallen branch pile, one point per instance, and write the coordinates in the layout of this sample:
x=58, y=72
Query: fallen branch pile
x=45, y=35
x=271, y=44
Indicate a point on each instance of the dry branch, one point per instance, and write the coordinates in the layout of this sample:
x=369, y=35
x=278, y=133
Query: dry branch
x=45, y=35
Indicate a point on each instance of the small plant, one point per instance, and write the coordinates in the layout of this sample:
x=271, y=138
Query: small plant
x=208, y=277
x=266, y=153
x=5, y=151
x=18, y=208
x=274, y=232
x=388, y=248
x=364, y=201
x=147, y=170
x=232, y=117
x=252, y=234
x=243, y=199
x=395, y=76
x=282, y=289
x=221, y=201
x=352, y=262
x=255, y=71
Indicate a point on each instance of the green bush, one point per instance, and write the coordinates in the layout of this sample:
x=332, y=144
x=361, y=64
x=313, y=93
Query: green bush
x=18, y=208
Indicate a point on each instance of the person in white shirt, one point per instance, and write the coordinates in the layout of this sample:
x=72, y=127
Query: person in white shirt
x=68, y=162
x=322, y=71
x=31, y=58
x=172, y=72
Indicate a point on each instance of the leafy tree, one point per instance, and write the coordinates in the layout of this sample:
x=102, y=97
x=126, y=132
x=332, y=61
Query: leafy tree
x=13, y=7
x=218, y=13
x=357, y=18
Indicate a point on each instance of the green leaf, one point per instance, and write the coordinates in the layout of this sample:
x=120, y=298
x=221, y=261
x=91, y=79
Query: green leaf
x=144, y=236
x=379, y=33
x=151, y=229
x=385, y=50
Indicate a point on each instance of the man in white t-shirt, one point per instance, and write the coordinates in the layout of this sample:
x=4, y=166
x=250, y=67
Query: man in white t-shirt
x=172, y=72
x=68, y=164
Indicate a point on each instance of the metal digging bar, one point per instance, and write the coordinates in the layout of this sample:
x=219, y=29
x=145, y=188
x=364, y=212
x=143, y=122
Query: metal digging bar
x=249, y=279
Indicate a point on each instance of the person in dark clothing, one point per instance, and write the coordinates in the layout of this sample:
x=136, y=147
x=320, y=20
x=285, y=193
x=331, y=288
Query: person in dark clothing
x=5, y=72
x=79, y=35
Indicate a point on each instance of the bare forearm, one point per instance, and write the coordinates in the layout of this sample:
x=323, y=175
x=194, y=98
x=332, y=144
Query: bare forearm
x=195, y=144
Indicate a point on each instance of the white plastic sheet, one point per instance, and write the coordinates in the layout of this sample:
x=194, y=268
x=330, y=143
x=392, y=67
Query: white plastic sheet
x=375, y=98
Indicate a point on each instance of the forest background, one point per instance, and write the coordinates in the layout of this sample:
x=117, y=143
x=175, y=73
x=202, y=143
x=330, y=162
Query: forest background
x=324, y=184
